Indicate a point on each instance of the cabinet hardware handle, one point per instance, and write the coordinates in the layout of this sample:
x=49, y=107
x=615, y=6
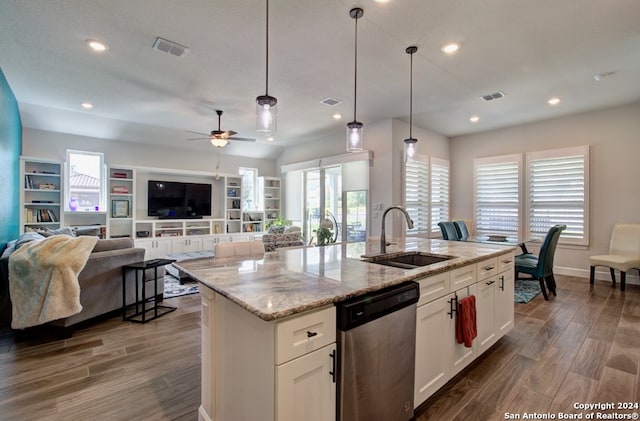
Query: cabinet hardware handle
x=333, y=365
x=507, y=261
x=487, y=268
x=453, y=308
x=311, y=334
x=502, y=282
x=491, y=282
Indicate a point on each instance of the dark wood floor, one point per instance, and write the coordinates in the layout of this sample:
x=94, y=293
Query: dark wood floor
x=583, y=346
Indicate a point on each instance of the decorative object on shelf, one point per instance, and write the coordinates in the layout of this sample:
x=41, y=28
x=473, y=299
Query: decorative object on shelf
x=119, y=208
x=410, y=143
x=47, y=186
x=266, y=105
x=120, y=189
x=118, y=174
x=73, y=203
x=355, y=129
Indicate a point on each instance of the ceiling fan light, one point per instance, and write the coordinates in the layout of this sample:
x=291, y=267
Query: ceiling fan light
x=355, y=136
x=218, y=142
x=266, y=114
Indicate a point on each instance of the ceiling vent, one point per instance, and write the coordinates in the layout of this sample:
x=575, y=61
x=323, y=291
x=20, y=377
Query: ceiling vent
x=331, y=101
x=170, y=47
x=495, y=95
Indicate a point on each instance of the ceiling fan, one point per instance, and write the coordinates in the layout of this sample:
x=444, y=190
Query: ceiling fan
x=220, y=138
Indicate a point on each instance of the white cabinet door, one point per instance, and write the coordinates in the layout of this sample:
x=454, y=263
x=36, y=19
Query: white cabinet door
x=306, y=388
x=485, y=313
x=432, y=347
x=186, y=244
x=504, y=302
x=460, y=356
x=156, y=248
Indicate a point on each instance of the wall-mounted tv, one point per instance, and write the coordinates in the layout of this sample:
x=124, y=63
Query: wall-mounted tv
x=173, y=199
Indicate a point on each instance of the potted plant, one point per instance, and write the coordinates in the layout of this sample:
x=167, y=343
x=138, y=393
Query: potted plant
x=278, y=222
x=324, y=235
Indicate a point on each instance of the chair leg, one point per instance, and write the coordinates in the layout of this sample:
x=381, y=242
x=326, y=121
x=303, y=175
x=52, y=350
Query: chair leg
x=592, y=275
x=551, y=284
x=623, y=276
x=613, y=277
x=543, y=289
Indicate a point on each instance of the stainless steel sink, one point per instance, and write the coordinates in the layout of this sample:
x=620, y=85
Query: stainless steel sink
x=408, y=260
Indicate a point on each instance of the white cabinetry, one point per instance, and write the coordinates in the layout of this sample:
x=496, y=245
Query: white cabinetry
x=155, y=248
x=439, y=356
x=120, y=221
x=40, y=195
x=272, y=371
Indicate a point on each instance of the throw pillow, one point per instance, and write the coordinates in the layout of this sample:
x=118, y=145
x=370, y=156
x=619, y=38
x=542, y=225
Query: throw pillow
x=276, y=230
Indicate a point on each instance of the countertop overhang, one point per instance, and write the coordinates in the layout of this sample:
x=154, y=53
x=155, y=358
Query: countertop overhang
x=290, y=281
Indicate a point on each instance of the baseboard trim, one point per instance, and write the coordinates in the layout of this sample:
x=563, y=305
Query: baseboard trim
x=601, y=275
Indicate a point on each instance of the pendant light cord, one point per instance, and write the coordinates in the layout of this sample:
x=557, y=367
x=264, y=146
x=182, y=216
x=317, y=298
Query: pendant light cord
x=267, y=43
x=411, y=99
x=355, y=73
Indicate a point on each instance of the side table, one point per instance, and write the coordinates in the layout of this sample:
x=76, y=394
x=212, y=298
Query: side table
x=140, y=314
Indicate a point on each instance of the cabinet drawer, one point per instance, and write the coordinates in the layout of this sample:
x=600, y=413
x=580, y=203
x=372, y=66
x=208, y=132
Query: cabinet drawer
x=487, y=268
x=463, y=277
x=433, y=287
x=505, y=262
x=305, y=333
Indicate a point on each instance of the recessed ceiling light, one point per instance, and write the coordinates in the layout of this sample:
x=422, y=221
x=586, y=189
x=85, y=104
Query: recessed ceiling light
x=450, y=48
x=87, y=105
x=381, y=1
x=474, y=119
x=553, y=101
x=270, y=138
x=337, y=116
x=97, y=45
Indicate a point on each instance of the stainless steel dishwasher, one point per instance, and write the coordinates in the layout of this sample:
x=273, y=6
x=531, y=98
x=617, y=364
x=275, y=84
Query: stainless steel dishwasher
x=376, y=342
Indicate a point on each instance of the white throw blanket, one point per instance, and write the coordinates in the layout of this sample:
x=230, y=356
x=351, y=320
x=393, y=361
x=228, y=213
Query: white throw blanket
x=43, y=279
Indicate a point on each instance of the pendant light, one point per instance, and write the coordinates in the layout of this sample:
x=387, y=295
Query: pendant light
x=355, y=128
x=410, y=144
x=266, y=105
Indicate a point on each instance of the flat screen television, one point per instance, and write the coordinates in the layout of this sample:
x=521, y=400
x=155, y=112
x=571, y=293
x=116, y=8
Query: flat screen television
x=173, y=199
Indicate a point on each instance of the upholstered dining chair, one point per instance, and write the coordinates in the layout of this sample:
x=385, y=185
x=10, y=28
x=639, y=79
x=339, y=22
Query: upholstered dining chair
x=540, y=267
x=624, y=253
x=240, y=249
x=449, y=231
x=461, y=229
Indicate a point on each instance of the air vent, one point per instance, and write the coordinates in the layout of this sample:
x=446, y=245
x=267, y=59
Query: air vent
x=495, y=95
x=331, y=101
x=170, y=47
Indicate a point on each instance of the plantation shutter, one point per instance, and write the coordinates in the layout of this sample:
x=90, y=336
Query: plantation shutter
x=439, y=193
x=557, y=183
x=416, y=194
x=497, y=195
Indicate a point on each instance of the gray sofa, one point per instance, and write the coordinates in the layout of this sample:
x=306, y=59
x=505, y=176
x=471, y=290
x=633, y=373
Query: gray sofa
x=100, y=281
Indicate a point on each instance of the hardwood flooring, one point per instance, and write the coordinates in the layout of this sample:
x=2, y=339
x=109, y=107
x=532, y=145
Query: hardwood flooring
x=583, y=346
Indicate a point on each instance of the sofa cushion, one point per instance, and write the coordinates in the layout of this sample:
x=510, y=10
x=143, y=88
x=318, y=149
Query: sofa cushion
x=113, y=244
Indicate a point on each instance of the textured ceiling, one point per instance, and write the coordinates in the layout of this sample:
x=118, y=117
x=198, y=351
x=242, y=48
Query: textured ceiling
x=531, y=50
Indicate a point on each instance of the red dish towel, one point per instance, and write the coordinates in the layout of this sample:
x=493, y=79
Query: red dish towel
x=466, y=329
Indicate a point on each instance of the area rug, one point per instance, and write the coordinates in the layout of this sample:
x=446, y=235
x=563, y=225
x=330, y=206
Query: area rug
x=525, y=291
x=172, y=287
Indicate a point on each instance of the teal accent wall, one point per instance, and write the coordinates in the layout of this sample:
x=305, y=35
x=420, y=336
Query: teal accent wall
x=10, y=150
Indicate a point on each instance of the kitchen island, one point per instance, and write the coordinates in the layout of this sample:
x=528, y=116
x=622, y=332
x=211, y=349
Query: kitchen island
x=269, y=330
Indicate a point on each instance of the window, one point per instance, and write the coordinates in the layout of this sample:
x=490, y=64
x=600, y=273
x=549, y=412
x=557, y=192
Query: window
x=439, y=192
x=250, y=199
x=426, y=193
x=85, y=182
x=497, y=195
x=557, y=187
x=416, y=194
x=554, y=190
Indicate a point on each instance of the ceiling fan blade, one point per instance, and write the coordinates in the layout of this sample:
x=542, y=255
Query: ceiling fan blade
x=245, y=139
x=230, y=133
x=198, y=138
x=201, y=134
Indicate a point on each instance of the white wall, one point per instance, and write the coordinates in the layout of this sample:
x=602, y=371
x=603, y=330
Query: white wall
x=52, y=145
x=614, y=138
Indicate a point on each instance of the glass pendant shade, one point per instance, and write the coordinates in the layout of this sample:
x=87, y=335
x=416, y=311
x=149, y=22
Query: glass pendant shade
x=266, y=114
x=410, y=149
x=355, y=136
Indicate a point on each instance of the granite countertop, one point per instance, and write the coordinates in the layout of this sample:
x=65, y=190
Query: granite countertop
x=290, y=281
